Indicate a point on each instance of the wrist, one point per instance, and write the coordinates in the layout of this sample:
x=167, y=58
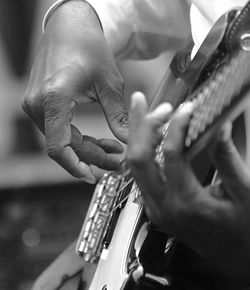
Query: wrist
x=73, y=35
x=70, y=14
x=74, y=26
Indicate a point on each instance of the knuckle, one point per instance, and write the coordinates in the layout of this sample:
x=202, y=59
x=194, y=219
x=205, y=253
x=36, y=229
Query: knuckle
x=28, y=102
x=50, y=97
x=55, y=108
x=121, y=116
x=51, y=93
x=38, y=100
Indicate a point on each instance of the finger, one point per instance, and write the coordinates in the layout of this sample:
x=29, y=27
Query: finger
x=142, y=137
x=116, y=112
x=91, y=153
x=232, y=169
x=161, y=114
x=138, y=110
x=180, y=176
x=224, y=133
x=57, y=115
x=110, y=146
x=88, y=150
x=141, y=149
x=144, y=127
x=138, y=105
x=177, y=130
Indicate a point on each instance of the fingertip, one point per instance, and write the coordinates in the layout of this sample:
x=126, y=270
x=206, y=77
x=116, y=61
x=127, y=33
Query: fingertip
x=166, y=107
x=117, y=149
x=137, y=98
x=89, y=176
x=89, y=180
x=120, y=149
x=182, y=115
x=161, y=113
x=186, y=108
x=85, y=173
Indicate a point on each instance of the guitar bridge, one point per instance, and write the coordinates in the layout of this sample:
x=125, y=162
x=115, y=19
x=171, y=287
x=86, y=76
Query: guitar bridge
x=91, y=239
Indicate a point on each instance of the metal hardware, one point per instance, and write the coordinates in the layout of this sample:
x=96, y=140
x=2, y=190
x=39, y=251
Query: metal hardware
x=245, y=41
x=138, y=276
x=91, y=238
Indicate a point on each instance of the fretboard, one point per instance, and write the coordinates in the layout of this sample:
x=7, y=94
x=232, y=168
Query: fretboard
x=222, y=96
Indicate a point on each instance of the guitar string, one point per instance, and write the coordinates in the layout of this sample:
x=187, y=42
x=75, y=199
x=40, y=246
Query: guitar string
x=124, y=186
x=126, y=173
x=126, y=197
x=121, y=202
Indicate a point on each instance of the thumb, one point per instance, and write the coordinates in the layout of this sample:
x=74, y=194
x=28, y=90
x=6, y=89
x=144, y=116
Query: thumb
x=116, y=113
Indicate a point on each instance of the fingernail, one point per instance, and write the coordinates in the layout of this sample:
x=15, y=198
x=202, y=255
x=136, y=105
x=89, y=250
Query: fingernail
x=89, y=179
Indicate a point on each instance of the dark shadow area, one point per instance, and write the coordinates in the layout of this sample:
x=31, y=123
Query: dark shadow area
x=16, y=23
x=36, y=224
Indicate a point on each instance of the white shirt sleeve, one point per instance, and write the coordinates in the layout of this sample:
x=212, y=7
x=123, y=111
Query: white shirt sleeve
x=204, y=14
x=143, y=28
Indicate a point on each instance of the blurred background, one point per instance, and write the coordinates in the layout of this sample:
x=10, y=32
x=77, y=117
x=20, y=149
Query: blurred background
x=42, y=207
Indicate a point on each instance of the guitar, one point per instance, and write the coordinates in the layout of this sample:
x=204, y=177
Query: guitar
x=126, y=249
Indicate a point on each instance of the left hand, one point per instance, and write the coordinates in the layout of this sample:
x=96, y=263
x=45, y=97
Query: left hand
x=214, y=221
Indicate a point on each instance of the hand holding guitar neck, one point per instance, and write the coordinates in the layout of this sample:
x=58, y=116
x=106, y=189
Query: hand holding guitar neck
x=212, y=220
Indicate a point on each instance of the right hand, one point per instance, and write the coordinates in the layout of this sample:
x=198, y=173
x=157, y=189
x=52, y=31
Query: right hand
x=74, y=65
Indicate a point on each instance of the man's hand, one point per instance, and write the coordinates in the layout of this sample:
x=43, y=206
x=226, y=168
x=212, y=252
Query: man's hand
x=74, y=66
x=214, y=221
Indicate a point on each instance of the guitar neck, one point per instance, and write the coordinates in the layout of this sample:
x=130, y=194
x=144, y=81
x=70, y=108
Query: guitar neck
x=222, y=97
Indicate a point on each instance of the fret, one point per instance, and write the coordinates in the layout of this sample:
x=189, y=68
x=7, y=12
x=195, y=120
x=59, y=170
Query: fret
x=223, y=95
x=220, y=97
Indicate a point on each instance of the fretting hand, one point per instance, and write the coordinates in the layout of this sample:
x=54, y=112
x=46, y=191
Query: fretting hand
x=214, y=221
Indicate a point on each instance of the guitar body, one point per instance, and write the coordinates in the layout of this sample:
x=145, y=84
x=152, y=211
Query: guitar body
x=117, y=254
x=128, y=251
x=135, y=244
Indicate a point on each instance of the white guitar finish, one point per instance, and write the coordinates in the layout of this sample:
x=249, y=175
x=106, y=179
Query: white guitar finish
x=113, y=278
